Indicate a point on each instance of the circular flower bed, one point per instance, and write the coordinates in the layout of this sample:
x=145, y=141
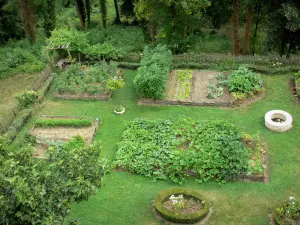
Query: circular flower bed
x=287, y=213
x=181, y=205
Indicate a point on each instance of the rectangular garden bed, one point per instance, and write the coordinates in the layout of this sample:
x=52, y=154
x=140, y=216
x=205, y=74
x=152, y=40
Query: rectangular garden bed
x=191, y=90
x=62, y=128
x=83, y=96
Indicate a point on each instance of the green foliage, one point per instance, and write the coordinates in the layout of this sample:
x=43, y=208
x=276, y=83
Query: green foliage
x=152, y=76
x=23, y=116
x=79, y=79
x=77, y=123
x=163, y=149
x=75, y=40
x=185, y=78
x=288, y=213
x=27, y=99
x=213, y=90
x=41, y=191
x=115, y=84
x=245, y=81
x=21, y=57
x=189, y=218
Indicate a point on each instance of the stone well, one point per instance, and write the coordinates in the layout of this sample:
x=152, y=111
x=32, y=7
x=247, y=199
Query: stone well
x=278, y=121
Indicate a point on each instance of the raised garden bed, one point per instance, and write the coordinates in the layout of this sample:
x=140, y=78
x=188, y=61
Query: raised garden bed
x=181, y=206
x=295, y=88
x=192, y=90
x=62, y=128
x=202, y=149
x=84, y=96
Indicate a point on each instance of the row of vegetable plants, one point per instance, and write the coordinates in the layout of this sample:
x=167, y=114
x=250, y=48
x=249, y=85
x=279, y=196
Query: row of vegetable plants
x=185, y=78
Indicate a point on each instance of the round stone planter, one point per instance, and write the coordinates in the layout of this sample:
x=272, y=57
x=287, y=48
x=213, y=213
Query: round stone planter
x=169, y=216
x=120, y=112
x=278, y=121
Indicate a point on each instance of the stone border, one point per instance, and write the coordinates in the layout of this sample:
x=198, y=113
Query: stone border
x=279, y=127
x=272, y=220
x=201, y=222
x=82, y=97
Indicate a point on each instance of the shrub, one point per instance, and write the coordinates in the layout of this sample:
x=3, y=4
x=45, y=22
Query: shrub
x=27, y=99
x=169, y=215
x=152, y=76
x=288, y=213
x=245, y=81
x=163, y=149
x=115, y=84
x=63, y=123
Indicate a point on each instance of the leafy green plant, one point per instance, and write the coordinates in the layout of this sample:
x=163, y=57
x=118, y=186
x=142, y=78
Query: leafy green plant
x=42, y=191
x=245, y=81
x=163, y=149
x=185, y=79
x=63, y=123
x=151, y=79
x=79, y=79
x=288, y=213
x=238, y=96
x=27, y=99
x=214, y=91
x=115, y=84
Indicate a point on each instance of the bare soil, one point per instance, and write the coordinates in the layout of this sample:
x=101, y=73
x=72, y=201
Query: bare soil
x=188, y=206
x=63, y=133
x=198, y=88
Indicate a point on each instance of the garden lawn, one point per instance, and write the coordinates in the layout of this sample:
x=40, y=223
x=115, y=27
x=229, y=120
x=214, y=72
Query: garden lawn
x=126, y=198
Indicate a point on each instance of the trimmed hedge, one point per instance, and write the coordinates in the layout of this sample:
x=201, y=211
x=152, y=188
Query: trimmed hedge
x=18, y=123
x=180, y=218
x=63, y=123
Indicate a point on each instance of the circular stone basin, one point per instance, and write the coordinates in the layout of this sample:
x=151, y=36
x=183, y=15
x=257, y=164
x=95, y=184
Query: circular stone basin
x=278, y=121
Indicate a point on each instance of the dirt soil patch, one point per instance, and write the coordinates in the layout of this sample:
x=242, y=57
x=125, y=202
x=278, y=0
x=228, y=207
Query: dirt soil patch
x=62, y=134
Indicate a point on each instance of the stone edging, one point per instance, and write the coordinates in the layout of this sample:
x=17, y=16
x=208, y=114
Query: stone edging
x=82, y=97
x=201, y=222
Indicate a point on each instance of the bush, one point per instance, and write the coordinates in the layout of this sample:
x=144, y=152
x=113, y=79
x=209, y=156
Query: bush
x=152, y=76
x=21, y=57
x=171, y=216
x=245, y=81
x=78, y=123
x=163, y=149
x=27, y=99
x=18, y=123
x=287, y=213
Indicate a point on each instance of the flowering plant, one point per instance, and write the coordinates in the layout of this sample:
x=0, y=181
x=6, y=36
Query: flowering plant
x=288, y=213
x=177, y=202
x=27, y=99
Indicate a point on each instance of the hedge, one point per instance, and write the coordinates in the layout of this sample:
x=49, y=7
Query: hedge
x=63, y=123
x=18, y=123
x=180, y=218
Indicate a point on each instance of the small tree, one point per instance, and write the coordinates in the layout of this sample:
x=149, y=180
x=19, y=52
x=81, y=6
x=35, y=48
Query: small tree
x=36, y=191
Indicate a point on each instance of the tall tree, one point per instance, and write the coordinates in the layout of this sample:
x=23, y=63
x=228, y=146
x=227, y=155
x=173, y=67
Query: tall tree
x=219, y=12
x=247, y=30
x=81, y=13
x=235, y=22
x=27, y=16
x=49, y=16
x=88, y=12
x=103, y=9
x=117, y=19
x=127, y=8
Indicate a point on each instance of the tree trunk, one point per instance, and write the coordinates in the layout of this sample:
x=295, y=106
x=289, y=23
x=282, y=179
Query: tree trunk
x=235, y=21
x=118, y=20
x=28, y=19
x=258, y=15
x=88, y=12
x=81, y=13
x=247, y=31
x=103, y=10
x=153, y=32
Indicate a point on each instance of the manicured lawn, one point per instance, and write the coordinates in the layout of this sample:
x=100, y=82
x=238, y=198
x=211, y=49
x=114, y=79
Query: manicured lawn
x=126, y=198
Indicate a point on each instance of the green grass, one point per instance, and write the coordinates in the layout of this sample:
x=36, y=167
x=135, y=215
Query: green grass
x=127, y=198
x=9, y=88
